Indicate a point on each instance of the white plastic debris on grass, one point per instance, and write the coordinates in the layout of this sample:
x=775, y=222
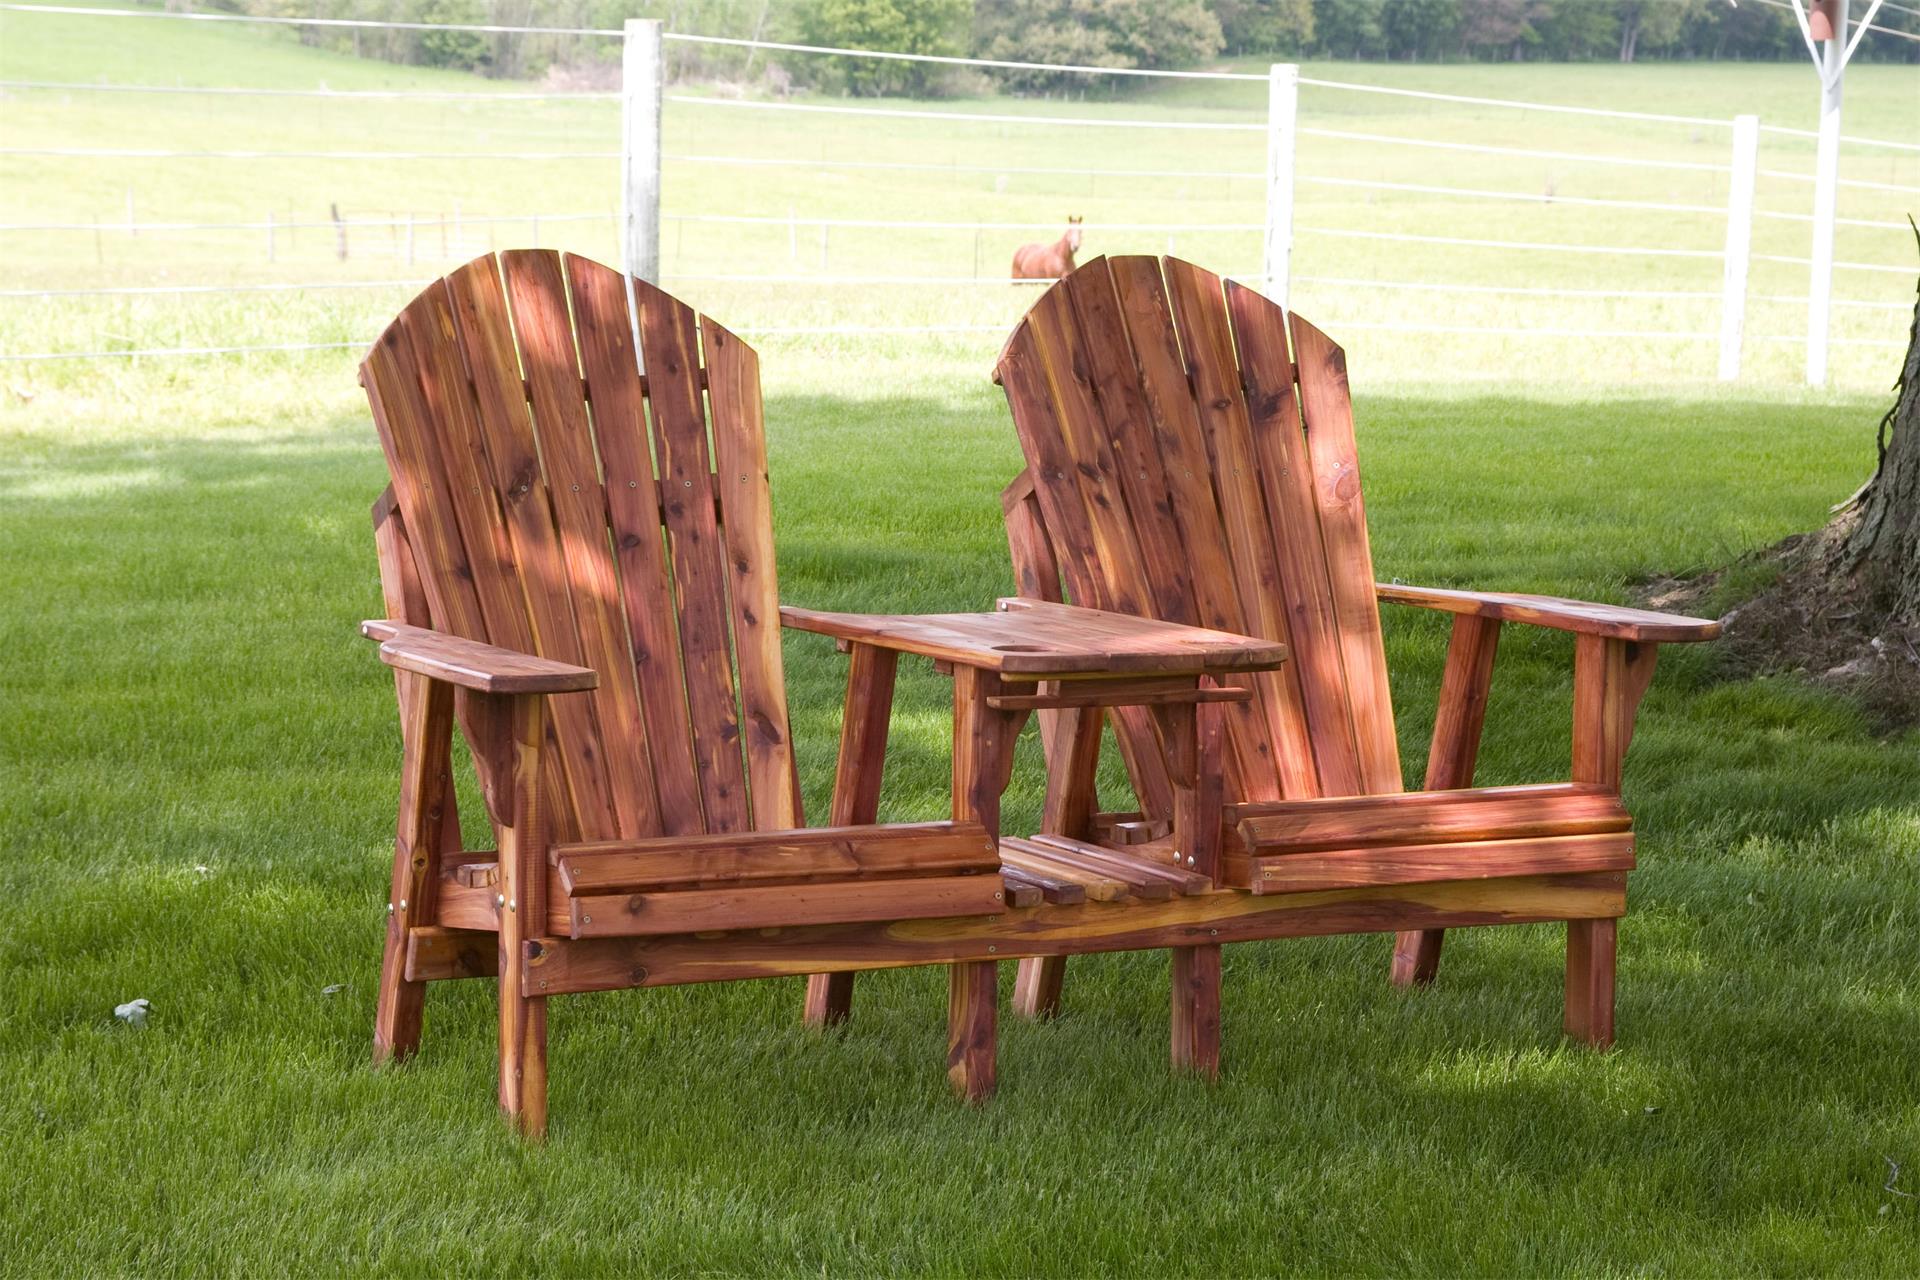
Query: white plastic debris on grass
x=133, y=1012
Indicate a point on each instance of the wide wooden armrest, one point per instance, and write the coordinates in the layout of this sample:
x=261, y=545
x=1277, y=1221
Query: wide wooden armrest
x=1615, y=622
x=470, y=664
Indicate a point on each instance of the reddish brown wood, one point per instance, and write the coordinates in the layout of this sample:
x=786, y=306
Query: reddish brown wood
x=635, y=504
x=972, y=1012
x=789, y=857
x=856, y=792
x=1035, y=639
x=753, y=907
x=746, y=500
x=1196, y=1010
x=669, y=339
x=438, y=954
x=1590, y=965
x=470, y=664
x=1431, y=817
x=1609, y=679
x=523, y=882
x=1456, y=745
x=426, y=784
x=604, y=964
x=1615, y=622
x=1073, y=760
x=1479, y=859
x=1327, y=408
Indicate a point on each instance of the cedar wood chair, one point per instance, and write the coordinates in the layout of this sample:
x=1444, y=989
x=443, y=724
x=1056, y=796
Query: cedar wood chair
x=607, y=635
x=1190, y=457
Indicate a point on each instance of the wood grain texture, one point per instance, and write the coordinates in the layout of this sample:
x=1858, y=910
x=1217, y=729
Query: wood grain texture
x=1609, y=678
x=746, y=501
x=1480, y=859
x=670, y=341
x=1431, y=817
x=973, y=994
x=438, y=954
x=794, y=856
x=1196, y=1010
x=1590, y=981
x=1326, y=406
x=750, y=906
x=426, y=786
x=858, y=771
x=470, y=664
x=634, y=506
x=1037, y=638
x=1464, y=685
x=1615, y=622
x=604, y=964
x=523, y=882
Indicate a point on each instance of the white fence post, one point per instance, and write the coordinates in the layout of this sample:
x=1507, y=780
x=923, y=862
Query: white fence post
x=1733, y=278
x=1826, y=177
x=1283, y=108
x=641, y=77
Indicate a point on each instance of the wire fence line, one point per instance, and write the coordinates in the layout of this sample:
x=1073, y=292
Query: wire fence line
x=793, y=219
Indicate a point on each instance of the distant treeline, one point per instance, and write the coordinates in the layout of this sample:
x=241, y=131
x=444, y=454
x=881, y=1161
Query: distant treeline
x=1108, y=33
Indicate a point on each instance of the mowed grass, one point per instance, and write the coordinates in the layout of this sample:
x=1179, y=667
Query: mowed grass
x=200, y=764
x=728, y=157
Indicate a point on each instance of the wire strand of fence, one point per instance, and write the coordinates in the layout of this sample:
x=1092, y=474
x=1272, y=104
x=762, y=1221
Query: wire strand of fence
x=949, y=60
x=1547, y=246
x=803, y=162
x=168, y=290
x=1610, y=112
x=420, y=222
x=245, y=91
x=1794, y=261
x=163, y=153
x=1847, y=138
x=1535, y=197
x=1871, y=26
x=373, y=24
x=1861, y=183
x=903, y=224
x=1482, y=148
x=972, y=117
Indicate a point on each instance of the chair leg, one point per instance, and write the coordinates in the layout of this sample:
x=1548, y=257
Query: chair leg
x=1036, y=987
x=1416, y=956
x=972, y=996
x=1590, y=964
x=1196, y=1010
x=829, y=999
x=428, y=826
x=523, y=1055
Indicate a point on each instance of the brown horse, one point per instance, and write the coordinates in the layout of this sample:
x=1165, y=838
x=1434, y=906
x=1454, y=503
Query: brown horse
x=1048, y=261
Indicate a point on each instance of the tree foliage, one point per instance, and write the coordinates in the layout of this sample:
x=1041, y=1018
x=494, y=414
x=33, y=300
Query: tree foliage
x=1099, y=33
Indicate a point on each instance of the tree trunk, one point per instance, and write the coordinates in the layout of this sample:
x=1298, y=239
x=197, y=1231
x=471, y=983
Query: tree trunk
x=1880, y=552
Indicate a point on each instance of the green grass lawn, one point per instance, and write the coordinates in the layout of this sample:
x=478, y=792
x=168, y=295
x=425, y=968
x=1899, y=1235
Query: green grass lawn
x=198, y=766
x=199, y=775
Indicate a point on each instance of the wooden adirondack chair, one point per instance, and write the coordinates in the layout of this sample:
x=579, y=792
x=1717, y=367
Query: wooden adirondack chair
x=1190, y=457
x=606, y=631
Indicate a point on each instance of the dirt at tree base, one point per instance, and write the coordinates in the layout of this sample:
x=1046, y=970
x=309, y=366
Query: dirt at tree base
x=1807, y=622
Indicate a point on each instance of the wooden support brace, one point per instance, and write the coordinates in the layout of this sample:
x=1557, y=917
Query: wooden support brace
x=426, y=801
x=1073, y=761
x=856, y=792
x=523, y=882
x=1450, y=760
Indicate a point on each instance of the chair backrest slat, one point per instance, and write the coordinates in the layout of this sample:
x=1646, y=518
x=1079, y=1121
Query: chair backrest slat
x=1240, y=490
x=584, y=571
x=1326, y=404
x=740, y=470
x=670, y=338
x=547, y=516
x=612, y=371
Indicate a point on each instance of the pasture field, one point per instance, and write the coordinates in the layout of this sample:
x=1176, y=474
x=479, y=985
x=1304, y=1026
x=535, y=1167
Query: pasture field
x=199, y=757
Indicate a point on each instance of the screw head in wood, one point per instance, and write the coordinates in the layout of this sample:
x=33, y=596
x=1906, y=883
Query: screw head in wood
x=403, y=904
x=499, y=899
x=389, y=908
x=514, y=905
x=991, y=948
x=583, y=920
